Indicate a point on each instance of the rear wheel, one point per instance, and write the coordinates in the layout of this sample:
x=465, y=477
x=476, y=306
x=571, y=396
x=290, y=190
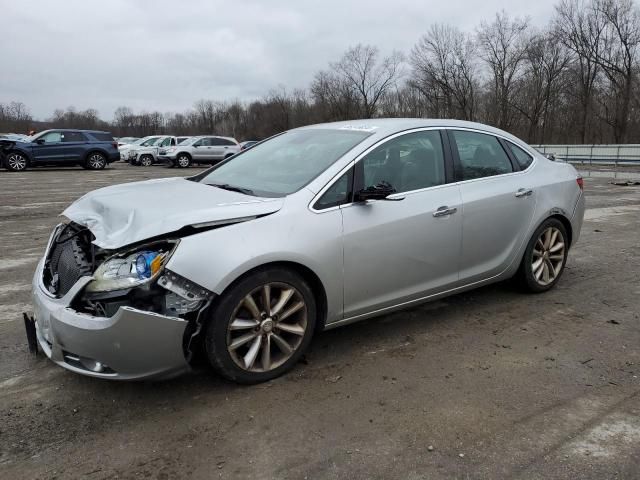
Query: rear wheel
x=146, y=160
x=261, y=326
x=183, y=160
x=545, y=257
x=96, y=161
x=16, y=162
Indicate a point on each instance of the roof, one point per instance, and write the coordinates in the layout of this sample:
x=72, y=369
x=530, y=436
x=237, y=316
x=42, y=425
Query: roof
x=383, y=127
x=72, y=130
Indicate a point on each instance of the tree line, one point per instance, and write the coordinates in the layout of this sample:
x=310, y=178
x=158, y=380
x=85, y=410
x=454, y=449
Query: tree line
x=574, y=80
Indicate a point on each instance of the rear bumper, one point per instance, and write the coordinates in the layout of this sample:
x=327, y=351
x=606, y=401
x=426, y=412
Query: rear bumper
x=577, y=218
x=131, y=345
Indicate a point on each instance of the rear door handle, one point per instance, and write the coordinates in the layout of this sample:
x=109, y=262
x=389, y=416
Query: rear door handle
x=444, y=211
x=524, y=192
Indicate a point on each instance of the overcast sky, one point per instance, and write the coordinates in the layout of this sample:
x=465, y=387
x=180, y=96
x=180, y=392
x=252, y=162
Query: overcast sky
x=164, y=55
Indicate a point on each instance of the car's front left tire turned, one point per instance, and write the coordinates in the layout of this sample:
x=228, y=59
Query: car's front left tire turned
x=261, y=326
x=545, y=257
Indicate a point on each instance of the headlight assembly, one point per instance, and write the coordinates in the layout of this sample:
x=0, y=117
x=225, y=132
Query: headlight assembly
x=131, y=269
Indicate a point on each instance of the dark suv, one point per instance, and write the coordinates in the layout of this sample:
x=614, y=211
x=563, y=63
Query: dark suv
x=88, y=148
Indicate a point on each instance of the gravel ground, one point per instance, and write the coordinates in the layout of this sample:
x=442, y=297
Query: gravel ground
x=487, y=384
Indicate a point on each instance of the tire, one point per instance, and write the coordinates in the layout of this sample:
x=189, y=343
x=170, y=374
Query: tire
x=146, y=160
x=16, y=162
x=96, y=161
x=548, y=245
x=183, y=160
x=231, y=318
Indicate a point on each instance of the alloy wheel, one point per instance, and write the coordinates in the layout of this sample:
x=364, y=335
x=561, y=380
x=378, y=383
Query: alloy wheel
x=146, y=161
x=548, y=256
x=16, y=162
x=183, y=161
x=267, y=327
x=96, y=161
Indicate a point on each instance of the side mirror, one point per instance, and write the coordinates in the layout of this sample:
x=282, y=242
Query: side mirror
x=375, y=192
x=40, y=141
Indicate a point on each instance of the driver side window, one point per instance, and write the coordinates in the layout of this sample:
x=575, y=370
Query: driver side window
x=409, y=162
x=52, y=137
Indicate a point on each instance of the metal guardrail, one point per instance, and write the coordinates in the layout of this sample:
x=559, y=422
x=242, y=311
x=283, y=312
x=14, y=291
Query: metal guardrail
x=627, y=154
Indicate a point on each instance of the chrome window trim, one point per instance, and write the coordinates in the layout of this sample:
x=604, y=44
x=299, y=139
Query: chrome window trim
x=405, y=132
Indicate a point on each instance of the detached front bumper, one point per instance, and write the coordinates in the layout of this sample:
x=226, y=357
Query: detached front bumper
x=131, y=345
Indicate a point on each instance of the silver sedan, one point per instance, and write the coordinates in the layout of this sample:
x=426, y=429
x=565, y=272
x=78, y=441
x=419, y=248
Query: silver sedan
x=312, y=229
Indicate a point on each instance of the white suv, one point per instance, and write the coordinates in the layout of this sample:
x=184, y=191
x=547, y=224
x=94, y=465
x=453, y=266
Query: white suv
x=147, y=155
x=203, y=149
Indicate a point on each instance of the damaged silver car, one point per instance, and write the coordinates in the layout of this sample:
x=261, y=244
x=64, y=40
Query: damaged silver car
x=312, y=229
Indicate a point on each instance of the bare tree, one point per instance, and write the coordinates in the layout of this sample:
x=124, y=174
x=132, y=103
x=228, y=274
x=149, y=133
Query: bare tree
x=618, y=56
x=580, y=29
x=544, y=66
x=368, y=78
x=502, y=45
x=444, y=71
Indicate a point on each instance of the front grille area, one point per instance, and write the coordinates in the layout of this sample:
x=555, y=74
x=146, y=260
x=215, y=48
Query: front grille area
x=68, y=259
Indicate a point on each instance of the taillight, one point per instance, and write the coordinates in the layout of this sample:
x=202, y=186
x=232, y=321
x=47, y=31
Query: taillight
x=580, y=183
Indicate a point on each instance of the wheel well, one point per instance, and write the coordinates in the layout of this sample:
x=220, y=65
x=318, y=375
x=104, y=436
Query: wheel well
x=307, y=274
x=567, y=226
x=184, y=153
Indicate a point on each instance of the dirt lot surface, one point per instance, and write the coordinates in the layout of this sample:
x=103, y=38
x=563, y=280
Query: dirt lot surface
x=487, y=384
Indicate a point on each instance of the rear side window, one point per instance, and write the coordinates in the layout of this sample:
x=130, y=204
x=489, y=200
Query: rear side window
x=481, y=155
x=102, y=137
x=522, y=157
x=74, y=137
x=221, y=142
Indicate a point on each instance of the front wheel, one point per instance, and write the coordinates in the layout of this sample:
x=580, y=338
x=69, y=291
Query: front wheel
x=183, y=160
x=545, y=257
x=96, y=161
x=146, y=160
x=16, y=162
x=261, y=326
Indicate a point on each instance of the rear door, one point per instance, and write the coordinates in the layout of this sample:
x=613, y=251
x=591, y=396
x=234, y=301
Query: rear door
x=498, y=204
x=407, y=247
x=74, y=146
x=218, y=148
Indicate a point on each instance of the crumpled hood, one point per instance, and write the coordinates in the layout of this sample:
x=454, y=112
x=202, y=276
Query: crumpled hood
x=124, y=214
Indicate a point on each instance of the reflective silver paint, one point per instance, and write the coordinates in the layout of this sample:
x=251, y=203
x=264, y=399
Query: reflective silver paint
x=370, y=257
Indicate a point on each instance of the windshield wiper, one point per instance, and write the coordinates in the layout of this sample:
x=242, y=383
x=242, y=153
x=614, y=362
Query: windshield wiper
x=232, y=188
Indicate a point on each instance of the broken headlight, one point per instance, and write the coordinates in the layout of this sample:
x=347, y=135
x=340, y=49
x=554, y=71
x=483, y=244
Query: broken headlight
x=131, y=269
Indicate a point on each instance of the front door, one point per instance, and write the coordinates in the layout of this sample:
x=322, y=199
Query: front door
x=408, y=246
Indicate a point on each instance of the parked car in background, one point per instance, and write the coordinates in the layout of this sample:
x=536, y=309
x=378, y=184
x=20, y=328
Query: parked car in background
x=147, y=155
x=90, y=149
x=248, y=144
x=122, y=141
x=206, y=149
x=126, y=150
x=312, y=229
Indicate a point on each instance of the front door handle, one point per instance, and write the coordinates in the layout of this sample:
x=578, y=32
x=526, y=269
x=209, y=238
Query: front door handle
x=444, y=211
x=524, y=192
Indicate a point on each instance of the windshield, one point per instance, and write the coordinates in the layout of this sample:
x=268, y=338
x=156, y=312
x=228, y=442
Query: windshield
x=189, y=141
x=150, y=142
x=283, y=164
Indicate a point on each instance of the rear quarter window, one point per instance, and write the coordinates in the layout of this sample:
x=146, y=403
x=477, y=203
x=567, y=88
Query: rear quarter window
x=522, y=157
x=102, y=137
